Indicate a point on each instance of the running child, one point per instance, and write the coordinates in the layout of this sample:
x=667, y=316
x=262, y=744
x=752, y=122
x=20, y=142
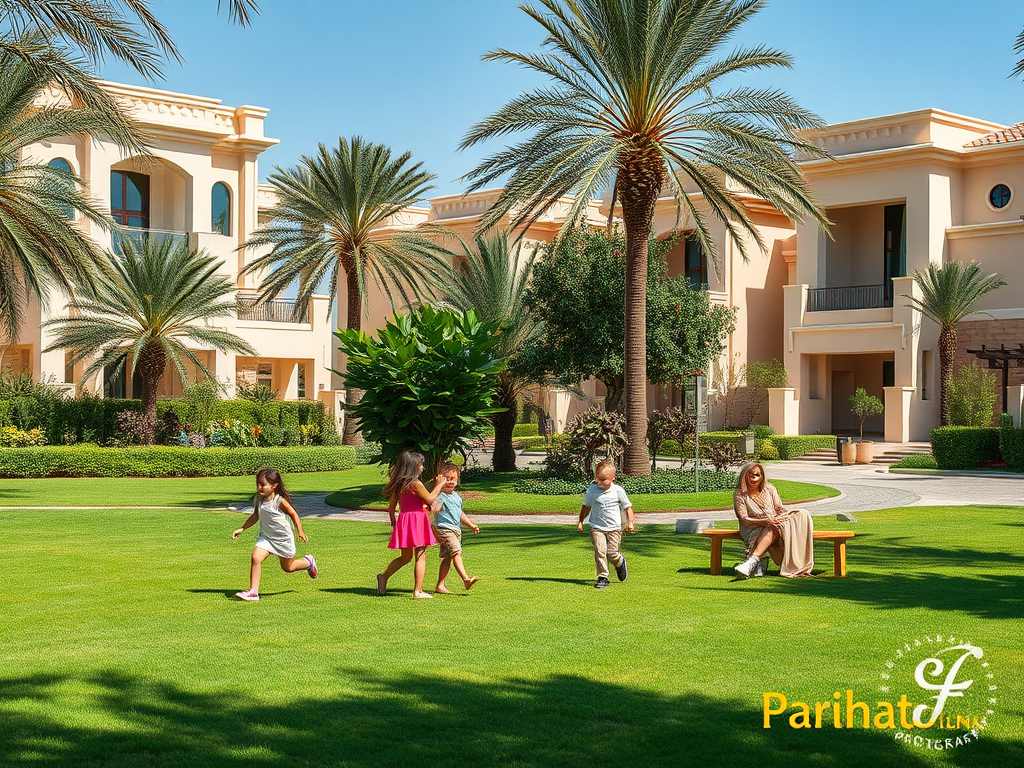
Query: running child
x=272, y=507
x=604, y=502
x=448, y=523
x=411, y=530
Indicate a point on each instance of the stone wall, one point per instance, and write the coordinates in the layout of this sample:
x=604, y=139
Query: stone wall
x=991, y=333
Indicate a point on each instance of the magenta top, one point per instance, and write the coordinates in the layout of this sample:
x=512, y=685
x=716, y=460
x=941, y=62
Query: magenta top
x=410, y=502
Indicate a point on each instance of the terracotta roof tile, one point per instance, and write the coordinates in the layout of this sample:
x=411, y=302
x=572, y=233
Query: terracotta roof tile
x=1005, y=136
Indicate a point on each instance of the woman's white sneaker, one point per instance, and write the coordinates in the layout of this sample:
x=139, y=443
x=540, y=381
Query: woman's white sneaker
x=747, y=567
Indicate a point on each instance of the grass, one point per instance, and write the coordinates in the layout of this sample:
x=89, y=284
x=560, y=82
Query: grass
x=494, y=495
x=121, y=646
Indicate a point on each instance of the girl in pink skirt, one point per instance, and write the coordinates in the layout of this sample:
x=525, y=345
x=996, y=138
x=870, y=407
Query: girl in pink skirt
x=411, y=531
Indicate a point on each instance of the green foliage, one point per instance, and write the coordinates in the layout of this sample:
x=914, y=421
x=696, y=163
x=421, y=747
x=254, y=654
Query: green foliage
x=367, y=453
x=530, y=443
x=166, y=461
x=722, y=455
x=578, y=292
x=766, y=450
x=916, y=461
x=525, y=430
x=965, y=447
x=672, y=424
x=589, y=435
x=129, y=429
x=428, y=378
x=12, y=437
x=972, y=397
x=1011, y=444
x=255, y=393
x=791, y=446
x=762, y=431
x=232, y=433
x=759, y=376
x=659, y=481
x=863, y=405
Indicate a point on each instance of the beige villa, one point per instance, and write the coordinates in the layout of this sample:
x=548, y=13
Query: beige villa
x=903, y=191
x=199, y=186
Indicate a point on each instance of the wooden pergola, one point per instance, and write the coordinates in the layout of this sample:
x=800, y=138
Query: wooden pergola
x=1001, y=359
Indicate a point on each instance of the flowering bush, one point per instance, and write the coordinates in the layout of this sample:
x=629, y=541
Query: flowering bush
x=232, y=433
x=12, y=437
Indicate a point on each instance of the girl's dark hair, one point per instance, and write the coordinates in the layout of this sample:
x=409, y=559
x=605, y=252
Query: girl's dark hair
x=406, y=471
x=272, y=476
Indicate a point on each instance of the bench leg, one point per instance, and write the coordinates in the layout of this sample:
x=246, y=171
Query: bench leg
x=716, y=557
x=839, y=555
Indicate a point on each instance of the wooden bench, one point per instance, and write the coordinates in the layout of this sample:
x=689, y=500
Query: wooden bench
x=838, y=539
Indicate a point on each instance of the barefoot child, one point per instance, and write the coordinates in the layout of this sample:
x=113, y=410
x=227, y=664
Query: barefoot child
x=604, y=502
x=448, y=524
x=272, y=508
x=411, y=531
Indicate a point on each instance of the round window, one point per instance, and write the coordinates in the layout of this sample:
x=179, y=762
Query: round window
x=1000, y=196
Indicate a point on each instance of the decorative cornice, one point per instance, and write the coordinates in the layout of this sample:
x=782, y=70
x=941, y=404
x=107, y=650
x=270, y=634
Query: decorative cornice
x=989, y=229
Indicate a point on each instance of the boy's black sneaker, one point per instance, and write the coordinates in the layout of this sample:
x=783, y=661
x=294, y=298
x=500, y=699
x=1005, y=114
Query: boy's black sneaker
x=621, y=570
x=602, y=582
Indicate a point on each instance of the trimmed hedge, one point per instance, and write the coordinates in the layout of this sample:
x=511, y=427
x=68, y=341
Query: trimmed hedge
x=1011, y=445
x=165, y=461
x=791, y=446
x=525, y=430
x=965, y=447
x=921, y=461
x=662, y=481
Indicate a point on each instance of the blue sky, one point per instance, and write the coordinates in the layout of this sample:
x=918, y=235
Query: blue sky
x=408, y=73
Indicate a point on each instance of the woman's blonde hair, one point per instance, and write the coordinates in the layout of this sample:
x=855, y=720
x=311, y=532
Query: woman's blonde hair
x=405, y=472
x=742, y=486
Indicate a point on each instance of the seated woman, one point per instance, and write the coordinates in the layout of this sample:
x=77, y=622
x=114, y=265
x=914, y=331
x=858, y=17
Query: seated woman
x=767, y=526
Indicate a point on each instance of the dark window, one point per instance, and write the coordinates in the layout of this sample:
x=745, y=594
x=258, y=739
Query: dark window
x=888, y=373
x=129, y=198
x=221, y=209
x=695, y=266
x=1000, y=196
x=63, y=165
x=895, y=246
x=113, y=386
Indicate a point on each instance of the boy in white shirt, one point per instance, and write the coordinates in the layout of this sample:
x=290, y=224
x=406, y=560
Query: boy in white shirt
x=604, y=502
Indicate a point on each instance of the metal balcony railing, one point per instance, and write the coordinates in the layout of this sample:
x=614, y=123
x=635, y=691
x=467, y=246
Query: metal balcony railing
x=276, y=311
x=849, y=297
x=138, y=236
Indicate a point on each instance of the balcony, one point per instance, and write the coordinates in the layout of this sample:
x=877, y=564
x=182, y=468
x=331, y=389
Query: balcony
x=275, y=311
x=849, y=297
x=138, y=236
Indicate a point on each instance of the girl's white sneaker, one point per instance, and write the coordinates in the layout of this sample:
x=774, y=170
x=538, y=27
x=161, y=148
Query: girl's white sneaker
x=249, y=595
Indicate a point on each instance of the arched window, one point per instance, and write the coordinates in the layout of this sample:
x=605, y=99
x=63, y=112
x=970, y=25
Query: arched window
x=220, y=214
x=63, y=165
x=129, y=199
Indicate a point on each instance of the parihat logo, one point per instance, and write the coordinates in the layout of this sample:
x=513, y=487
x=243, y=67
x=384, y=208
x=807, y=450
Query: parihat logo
x=936, y=694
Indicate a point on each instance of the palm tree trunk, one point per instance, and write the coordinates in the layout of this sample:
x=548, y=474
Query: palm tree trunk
x=947, y=353
x=354, y=320
x=640, y=180
x=504, y=458
x=151, y=366
x=613, y=392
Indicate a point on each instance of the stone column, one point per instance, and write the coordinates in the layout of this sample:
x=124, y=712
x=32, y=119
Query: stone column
x=558, y=407
x=897, y=413
x=783, y=410
x=1015, y=403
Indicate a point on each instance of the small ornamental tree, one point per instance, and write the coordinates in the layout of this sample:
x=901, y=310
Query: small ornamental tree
x=863, y=405
x=428, y=381
x=972, y=397
x=760, y=376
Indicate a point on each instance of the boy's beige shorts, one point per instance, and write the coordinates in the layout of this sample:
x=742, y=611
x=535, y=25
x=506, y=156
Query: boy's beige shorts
x=450, y=541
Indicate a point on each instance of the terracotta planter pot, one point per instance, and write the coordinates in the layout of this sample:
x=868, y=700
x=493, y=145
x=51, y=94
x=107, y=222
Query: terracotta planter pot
x=865, y=452
x=849, y=453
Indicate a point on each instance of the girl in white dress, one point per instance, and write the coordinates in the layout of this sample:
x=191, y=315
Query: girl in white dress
x=272, y=508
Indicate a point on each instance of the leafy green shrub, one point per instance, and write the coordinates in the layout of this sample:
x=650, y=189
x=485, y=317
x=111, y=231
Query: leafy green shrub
x=765, y=450
x=721, y=455
x=231, y=433
x=428, y=381
x=166, y=461
x=965, y=447
x=791, y=446
x=920, y=461
x=659, y=481
x=529, y=443
x=761, y=431
x=1011, y=444
x=972, y=397
x=760, y=375
x=672, y=424
x=130, y=428
x=367, y=453
x=6, y=413
x=12, y=437
x=525, y=430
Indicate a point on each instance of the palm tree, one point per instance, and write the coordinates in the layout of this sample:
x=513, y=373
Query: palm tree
x=323, y=226
x=39, y=248
x=144, y=312
x=491, y=280
x=125, y=30
x=1018, y=48
x=948, y=294
x=635, y=106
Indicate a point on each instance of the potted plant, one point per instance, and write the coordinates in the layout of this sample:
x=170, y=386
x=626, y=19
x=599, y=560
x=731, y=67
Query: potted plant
x=863, y=405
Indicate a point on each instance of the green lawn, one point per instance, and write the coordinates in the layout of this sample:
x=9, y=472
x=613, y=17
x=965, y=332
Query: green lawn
x=495, y=495
x=121, y=646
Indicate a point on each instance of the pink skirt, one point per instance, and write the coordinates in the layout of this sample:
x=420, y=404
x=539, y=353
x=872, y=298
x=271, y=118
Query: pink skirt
x=412, y=529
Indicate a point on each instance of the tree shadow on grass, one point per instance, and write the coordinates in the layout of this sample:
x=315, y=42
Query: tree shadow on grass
x=546, y=578
x=421, y=720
